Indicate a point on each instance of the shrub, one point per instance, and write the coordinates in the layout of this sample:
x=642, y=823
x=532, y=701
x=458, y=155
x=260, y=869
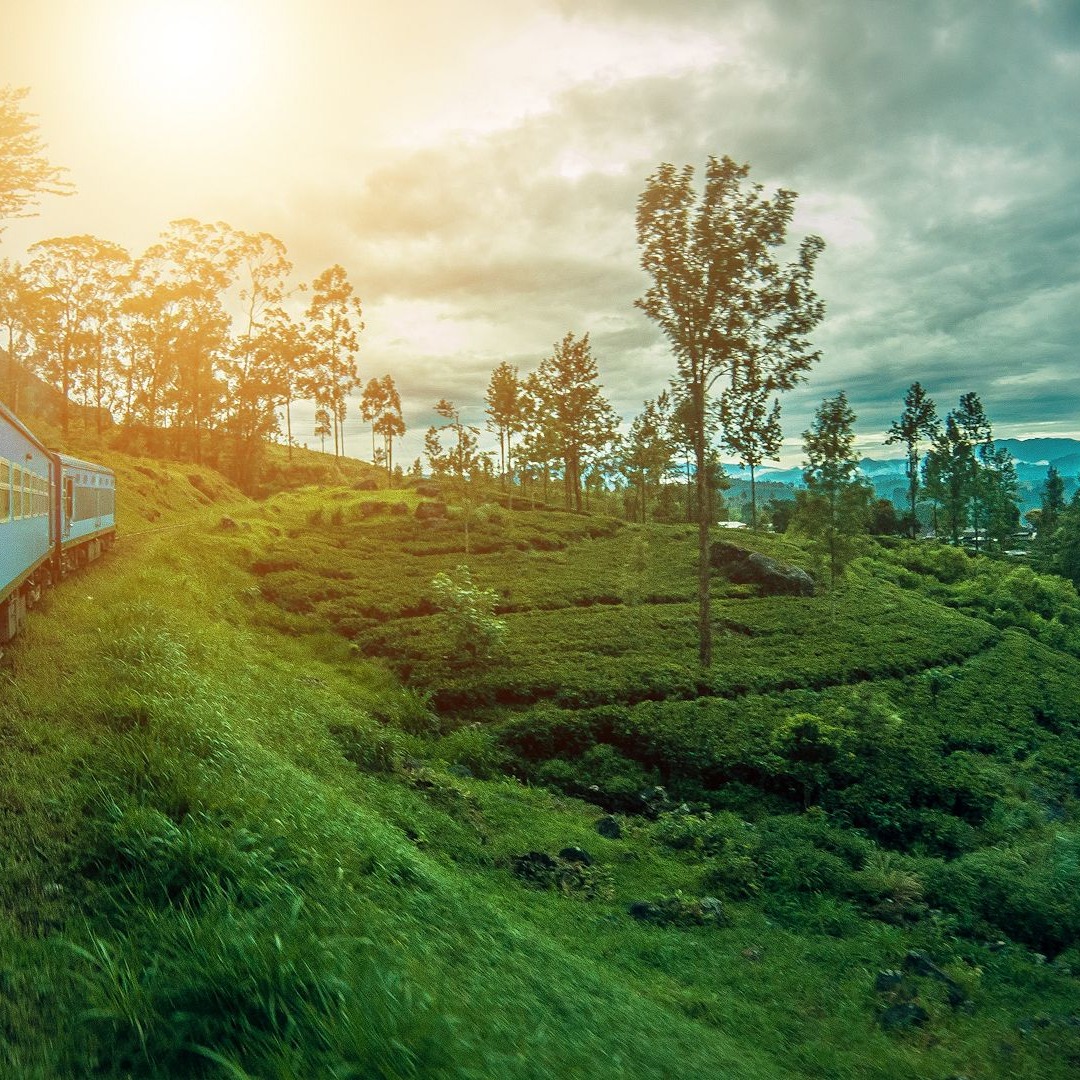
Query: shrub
x=1029, y=894
x=476, y=634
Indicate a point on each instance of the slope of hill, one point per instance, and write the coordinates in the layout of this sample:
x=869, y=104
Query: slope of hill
x=260, y=819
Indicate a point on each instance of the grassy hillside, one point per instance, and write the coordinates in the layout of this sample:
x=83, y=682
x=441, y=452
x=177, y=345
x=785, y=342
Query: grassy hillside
x=260, y=820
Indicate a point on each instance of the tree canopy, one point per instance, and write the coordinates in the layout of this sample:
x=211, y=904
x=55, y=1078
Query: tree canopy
x=724, y=300
x=25, y=172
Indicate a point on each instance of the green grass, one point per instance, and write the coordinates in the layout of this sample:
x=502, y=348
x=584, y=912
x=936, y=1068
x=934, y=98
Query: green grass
x=234, y=845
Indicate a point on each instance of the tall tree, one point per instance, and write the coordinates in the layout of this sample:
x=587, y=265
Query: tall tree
x=723, y=299
x=971, y=478
x=504, y=410
x=647, y=453
x=834, y=507
x=1051, y=507
x=25, y=172
x=977, y=433
x=322, y=425
x=195, y=263
x=917, y=422
x=751, y=430
x=389, y=423
x=257, y=362
x=461, y=461
x=288, y=353
x=75, y=283
x=577, y=420
x=999, y=487
x=15, y=328
x=334, y=316
x=948, y=473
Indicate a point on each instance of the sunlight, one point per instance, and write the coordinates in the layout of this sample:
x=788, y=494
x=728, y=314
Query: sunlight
x=183, y=57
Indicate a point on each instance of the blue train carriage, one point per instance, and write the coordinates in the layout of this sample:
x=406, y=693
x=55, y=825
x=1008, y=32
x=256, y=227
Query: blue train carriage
x=28, y=525
x=86, y=511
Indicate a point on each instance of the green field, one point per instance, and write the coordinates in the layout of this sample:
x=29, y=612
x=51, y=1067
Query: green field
x=259, y=819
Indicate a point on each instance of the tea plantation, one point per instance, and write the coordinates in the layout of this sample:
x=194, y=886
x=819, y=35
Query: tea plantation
x=263, y=817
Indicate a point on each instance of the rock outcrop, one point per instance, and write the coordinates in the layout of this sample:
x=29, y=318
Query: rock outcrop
x=773, y=578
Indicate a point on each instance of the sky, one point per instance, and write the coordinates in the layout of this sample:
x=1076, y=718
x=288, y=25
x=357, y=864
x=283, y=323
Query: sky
x=475, y=167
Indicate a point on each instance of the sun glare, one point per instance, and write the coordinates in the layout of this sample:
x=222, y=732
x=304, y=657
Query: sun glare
x=184, y=57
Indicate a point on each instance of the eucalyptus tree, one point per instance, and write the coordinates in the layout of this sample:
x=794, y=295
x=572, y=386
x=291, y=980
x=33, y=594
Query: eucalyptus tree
x=25, y=172
x=568, y=405
x=835, y=505
x=334, y=320
x=461, y=461
x=1051, y=508
x=461, y=458
x=646, y=455
x=724, y=300
x=970, y=477
x=287, y=351
x=194, y=264
x=387, y=420
x=323, y=425
x=371, y=406
x=750, y=428
x=259, y=355
x=74, y=287
x=917, y=422
x=380, y=406
x=978, y=435
x=504, y=411
x=948, y=475
x=15, y=328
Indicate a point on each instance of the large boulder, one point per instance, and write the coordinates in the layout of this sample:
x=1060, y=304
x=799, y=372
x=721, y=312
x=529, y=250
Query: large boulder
x=773, y=578
x=431, y=511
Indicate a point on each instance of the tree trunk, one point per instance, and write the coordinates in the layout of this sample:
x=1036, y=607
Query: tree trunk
x=701, y=485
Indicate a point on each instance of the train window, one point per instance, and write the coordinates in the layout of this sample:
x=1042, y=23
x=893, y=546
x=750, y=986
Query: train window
x=85, y=503
x=5, y=490
x=16, y=492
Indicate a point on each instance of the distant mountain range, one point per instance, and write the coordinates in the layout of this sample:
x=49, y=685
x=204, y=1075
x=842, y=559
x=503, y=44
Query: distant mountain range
x=1032, y=456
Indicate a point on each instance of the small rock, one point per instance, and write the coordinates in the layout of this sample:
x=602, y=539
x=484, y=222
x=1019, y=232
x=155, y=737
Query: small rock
x=576, y=855
x=905, y=1014
x=921, y=964
x=609, y=827
x=533, y=864
x=228, y=524
x=654, y=800
x=713, y=909
x=888, y=980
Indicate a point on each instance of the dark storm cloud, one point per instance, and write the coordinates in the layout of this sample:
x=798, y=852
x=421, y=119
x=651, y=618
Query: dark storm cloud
x=936, y=147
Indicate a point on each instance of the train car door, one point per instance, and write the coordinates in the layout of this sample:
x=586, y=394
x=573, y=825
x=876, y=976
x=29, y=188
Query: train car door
x=69, y=503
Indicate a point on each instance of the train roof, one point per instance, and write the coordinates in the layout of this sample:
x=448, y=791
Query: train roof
x=10, y=418
x=70, y=462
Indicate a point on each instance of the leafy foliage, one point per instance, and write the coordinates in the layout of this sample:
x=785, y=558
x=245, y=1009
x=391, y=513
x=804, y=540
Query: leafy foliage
x=476, y=634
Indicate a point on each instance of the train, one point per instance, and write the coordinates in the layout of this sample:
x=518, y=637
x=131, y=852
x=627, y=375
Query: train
x=57, y=513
